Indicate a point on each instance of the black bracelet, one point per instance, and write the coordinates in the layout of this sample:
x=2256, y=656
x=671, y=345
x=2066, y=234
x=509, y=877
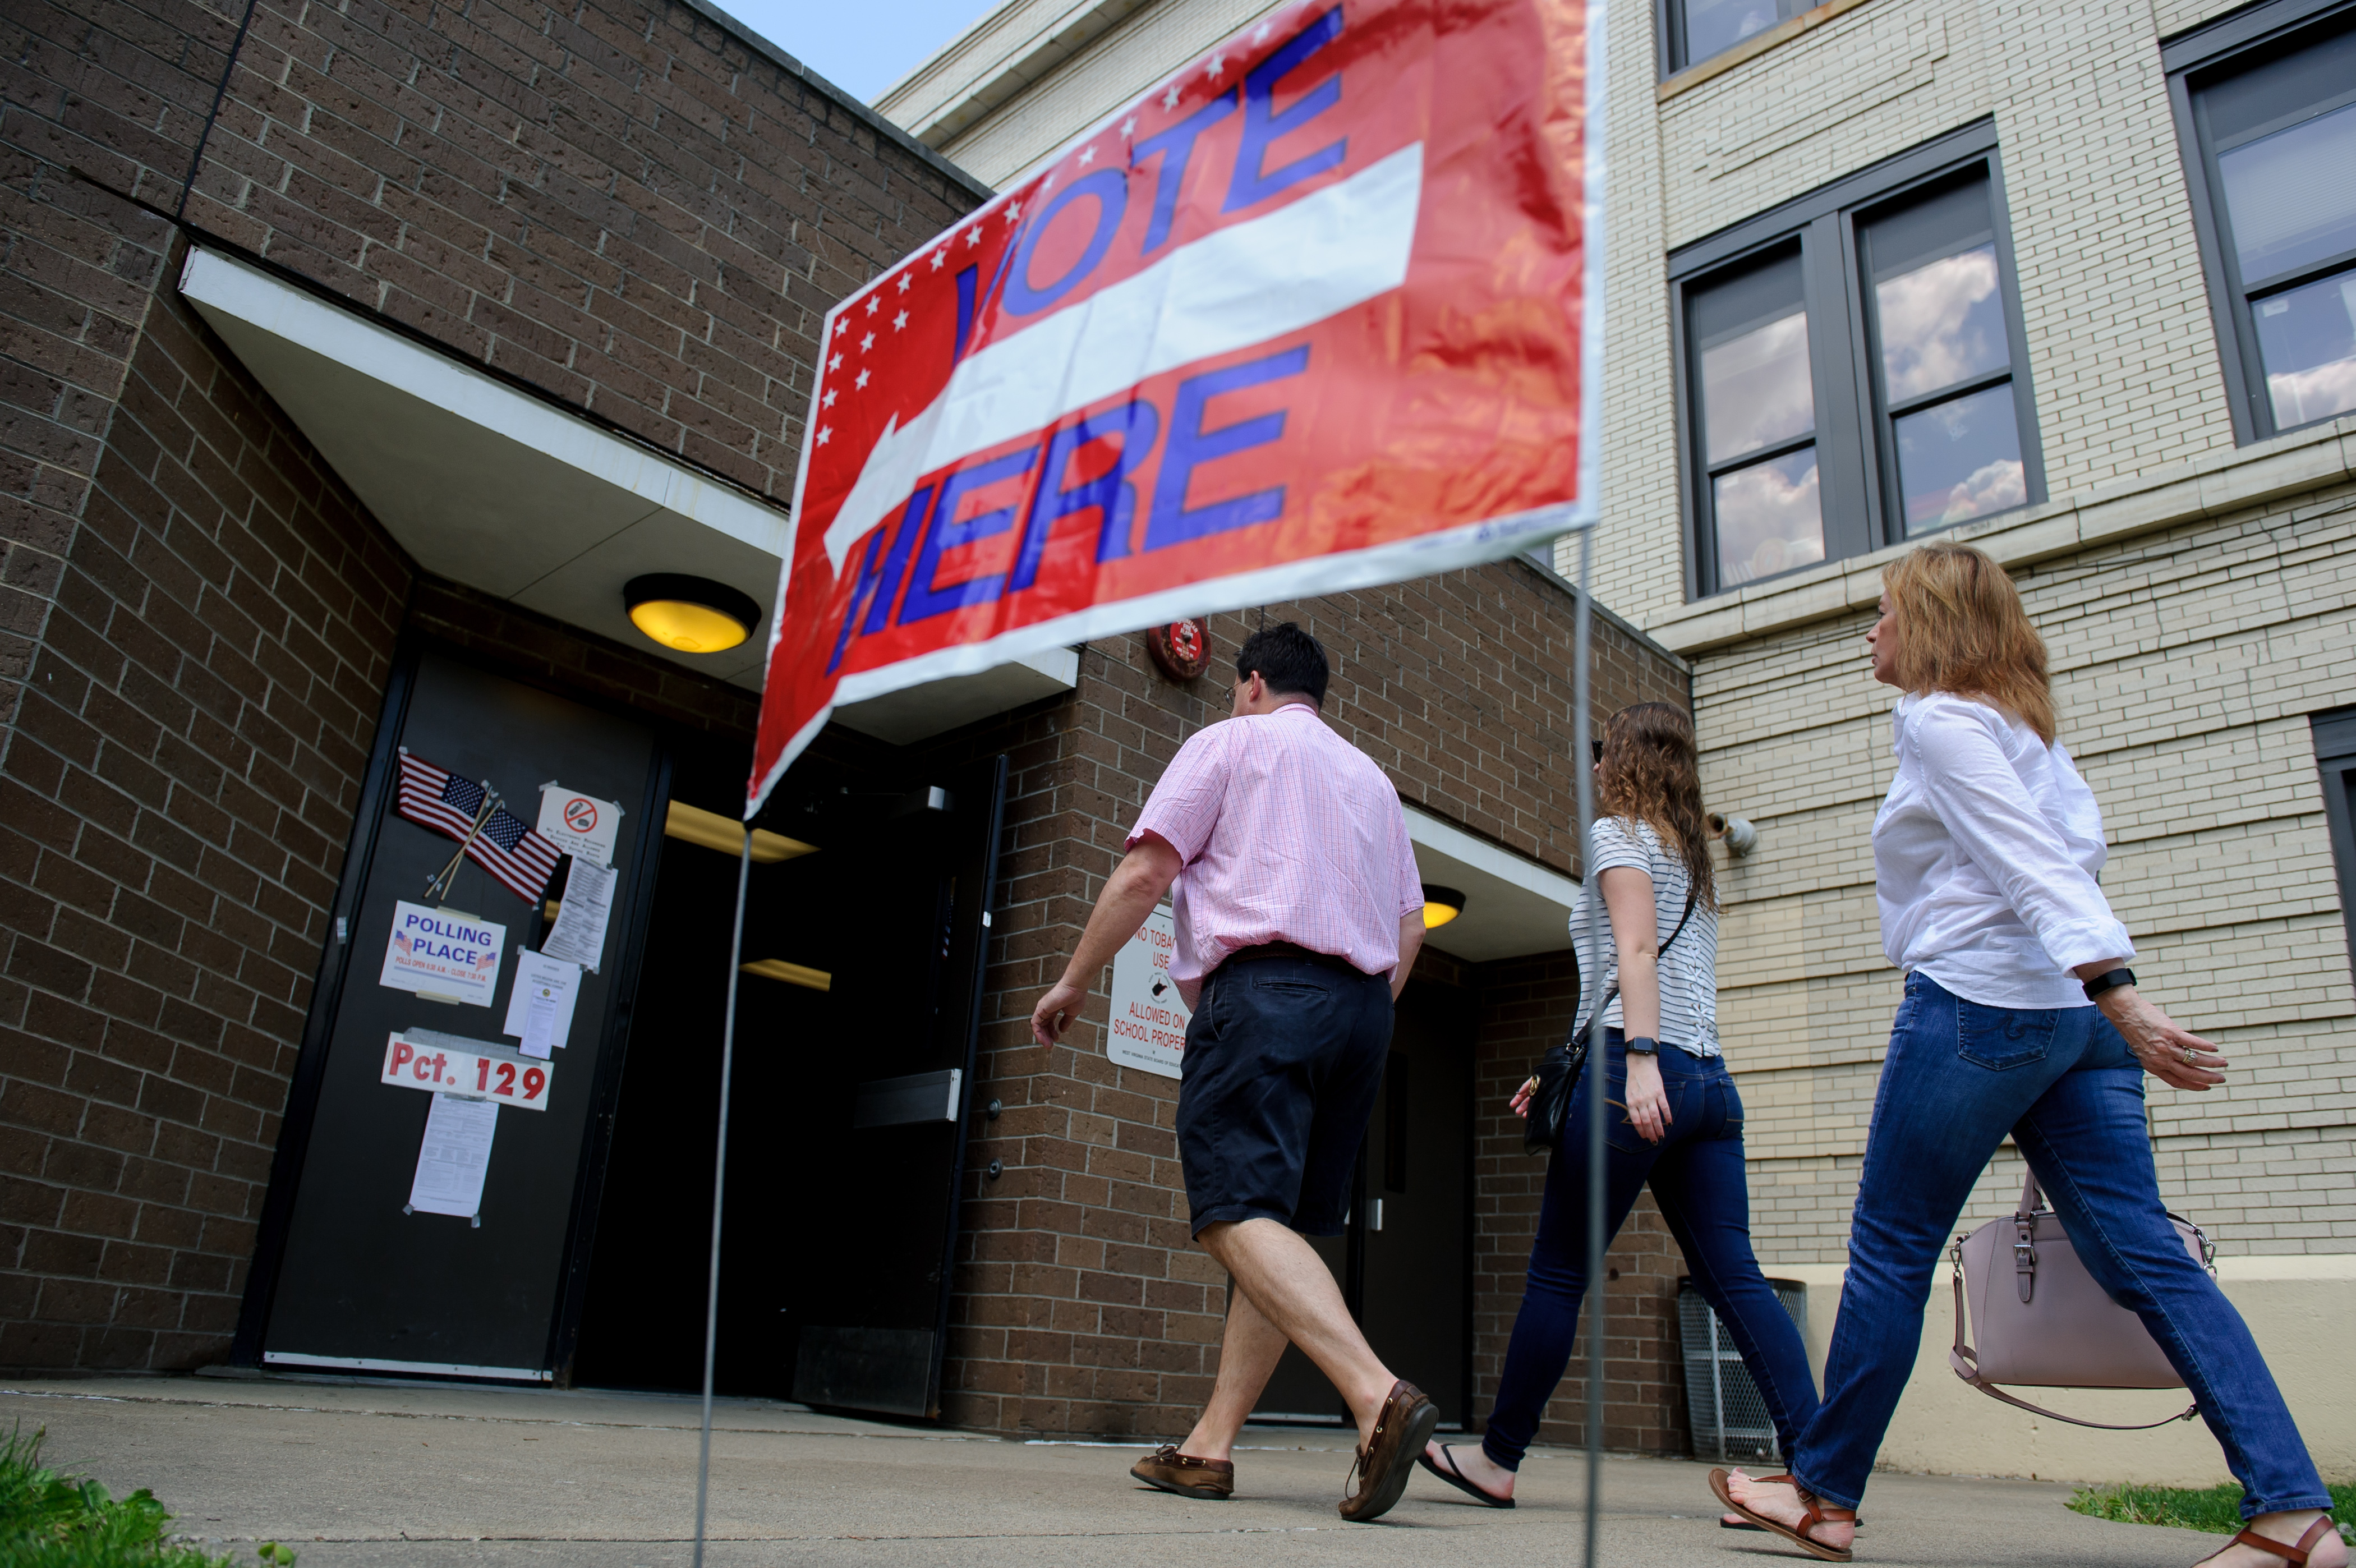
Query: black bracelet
x=2109, y=980
x=1642, y=1046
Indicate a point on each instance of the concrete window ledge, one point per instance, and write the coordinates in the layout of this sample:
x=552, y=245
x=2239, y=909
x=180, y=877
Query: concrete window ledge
x=2183, y=492
x=2292, y=1302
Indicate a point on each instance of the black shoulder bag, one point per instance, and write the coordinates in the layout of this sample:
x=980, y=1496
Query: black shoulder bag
x=1558, y=1071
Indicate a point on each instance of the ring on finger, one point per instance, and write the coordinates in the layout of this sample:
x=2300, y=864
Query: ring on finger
x=2189, y=1054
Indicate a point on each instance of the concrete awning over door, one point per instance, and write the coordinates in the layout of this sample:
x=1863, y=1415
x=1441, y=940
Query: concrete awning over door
x=1513, y=906
x=492, y=487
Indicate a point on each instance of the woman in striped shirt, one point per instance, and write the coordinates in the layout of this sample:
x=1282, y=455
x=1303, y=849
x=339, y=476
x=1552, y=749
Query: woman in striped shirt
x=1676, y=1118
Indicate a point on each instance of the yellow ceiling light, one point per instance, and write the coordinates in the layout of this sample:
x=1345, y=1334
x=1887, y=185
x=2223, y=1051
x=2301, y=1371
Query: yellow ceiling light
x=713, y=830
x=690, y=615
x=1441, y=905
x=791, y=974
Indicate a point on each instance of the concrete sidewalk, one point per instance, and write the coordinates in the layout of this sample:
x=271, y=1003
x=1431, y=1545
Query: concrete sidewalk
x=420, y=1477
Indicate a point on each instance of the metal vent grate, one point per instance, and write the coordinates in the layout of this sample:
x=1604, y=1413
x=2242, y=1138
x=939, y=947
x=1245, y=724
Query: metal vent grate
x=1729, y=1418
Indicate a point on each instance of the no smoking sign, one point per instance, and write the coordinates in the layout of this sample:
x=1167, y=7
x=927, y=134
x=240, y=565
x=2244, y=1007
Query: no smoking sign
x=580, y=825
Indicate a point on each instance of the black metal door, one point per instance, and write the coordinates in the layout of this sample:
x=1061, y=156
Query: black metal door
x=880, y=1112
x=358, y=1280
x=1404, y=1263
x=1416, y=1212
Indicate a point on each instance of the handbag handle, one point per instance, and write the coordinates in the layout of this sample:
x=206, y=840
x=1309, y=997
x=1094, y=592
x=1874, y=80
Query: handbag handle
x=1965, y=1363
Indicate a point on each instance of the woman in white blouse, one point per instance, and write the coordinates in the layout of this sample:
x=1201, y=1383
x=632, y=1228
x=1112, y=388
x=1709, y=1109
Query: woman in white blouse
x=2019, y=1017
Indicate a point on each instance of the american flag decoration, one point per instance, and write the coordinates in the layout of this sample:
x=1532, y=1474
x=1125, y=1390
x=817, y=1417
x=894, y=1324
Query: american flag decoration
x=470, y=812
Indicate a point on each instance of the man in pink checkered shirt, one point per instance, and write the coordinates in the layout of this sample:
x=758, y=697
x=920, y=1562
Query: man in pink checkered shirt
x=1299, y=914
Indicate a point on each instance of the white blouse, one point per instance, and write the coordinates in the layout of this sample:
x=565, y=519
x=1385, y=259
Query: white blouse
x=1985, y=857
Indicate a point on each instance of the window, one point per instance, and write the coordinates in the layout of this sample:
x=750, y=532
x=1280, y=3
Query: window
x=2266, y=106
x=1851, y=369
x=1693, y=31
x=2335, y=753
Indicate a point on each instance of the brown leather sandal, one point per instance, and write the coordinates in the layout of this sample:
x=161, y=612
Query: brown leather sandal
x=2295, y=1555
x=1818, y=1514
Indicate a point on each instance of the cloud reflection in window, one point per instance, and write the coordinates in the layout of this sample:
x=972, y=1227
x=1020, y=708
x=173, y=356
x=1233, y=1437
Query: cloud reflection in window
x=1770, y=518
x=1756, y=389
x=1941, y=324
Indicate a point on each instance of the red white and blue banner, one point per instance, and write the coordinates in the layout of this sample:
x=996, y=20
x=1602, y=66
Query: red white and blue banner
x=1320, y=311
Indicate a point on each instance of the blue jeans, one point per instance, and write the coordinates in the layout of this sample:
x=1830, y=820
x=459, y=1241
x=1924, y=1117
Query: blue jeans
x=1958, y=1077
x=1697, y=1179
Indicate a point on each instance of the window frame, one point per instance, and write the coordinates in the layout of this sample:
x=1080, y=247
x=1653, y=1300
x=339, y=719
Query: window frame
x=2210, y=50
x=2334, y=733
x=1669, y=28
x=1856, y=448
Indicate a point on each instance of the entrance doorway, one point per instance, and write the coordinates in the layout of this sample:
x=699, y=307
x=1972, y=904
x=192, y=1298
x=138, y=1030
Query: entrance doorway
x=1405, y=1259
x=580, y=1253
x=857, y=1000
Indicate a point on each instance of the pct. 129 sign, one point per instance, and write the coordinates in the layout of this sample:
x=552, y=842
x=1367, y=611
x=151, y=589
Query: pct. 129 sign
x=439, y=1070
x=1149, y=1021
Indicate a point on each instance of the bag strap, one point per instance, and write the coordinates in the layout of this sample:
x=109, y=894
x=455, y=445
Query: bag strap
x=1966, y=1361
x=1692, y=893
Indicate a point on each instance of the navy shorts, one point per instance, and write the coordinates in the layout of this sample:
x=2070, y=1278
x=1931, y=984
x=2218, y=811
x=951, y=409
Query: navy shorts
x=1283, y=1059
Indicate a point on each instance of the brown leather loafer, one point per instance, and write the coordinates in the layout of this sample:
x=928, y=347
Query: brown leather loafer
x=1386, y=1461
x=1183, y=1474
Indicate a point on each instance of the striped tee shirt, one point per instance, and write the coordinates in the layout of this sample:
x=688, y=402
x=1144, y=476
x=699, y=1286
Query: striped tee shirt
x=1688, y=969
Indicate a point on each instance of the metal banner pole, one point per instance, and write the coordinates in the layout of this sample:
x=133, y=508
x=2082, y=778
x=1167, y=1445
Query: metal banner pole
x=720, y=1191
x=1580, y=736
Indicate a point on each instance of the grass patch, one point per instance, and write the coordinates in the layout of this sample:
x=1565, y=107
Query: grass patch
x=2217, y=1509
x=48, y=1519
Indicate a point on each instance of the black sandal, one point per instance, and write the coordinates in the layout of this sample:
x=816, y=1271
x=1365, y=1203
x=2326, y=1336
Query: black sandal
x=1455, y=1477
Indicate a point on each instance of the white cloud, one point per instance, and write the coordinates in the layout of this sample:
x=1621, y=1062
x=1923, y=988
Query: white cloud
x=1993, y=487
x=1928, y=339
x=2317, y=393
x=1769, y=520
x=1756, y=388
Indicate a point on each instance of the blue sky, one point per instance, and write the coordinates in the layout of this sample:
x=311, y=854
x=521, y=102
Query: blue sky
x=864, y=45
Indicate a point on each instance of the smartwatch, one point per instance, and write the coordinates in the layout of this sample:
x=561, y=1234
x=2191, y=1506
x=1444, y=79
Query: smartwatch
x=1642, y=1045
x=2109, y=980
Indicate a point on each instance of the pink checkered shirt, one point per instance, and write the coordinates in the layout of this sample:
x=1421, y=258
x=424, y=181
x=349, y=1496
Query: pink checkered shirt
x=1287, y=832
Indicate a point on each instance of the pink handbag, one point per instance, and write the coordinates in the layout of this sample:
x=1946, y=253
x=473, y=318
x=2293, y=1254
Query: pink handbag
x=2044, y=1322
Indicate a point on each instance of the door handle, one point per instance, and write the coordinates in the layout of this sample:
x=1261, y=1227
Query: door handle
x=919, y=1097
x=1375, y=1214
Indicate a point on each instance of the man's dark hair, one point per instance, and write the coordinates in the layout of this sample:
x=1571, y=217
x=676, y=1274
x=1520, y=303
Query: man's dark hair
x=1290, y=660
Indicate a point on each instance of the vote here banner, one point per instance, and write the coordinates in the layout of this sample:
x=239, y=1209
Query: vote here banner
x=1318, y=312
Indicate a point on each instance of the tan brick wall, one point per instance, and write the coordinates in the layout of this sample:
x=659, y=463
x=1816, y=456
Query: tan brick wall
x=2185, y=663
x=1131, y=56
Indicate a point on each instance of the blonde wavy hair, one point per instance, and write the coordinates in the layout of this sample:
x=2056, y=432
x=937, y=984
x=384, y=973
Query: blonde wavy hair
x=1962, y=628
x=1652, y=772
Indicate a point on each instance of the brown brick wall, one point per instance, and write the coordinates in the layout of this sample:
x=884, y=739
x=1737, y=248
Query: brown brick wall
x=617, y=202
x=630, y=210
x=1081, y=1303
x=175, y=803
x=175, y=800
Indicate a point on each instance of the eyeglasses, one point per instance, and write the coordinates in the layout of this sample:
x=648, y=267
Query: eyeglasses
x=1596, y=748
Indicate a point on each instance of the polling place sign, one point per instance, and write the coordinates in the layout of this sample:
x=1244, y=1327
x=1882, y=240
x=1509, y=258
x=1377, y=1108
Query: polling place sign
x=1318, y=312
x=442, y=954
